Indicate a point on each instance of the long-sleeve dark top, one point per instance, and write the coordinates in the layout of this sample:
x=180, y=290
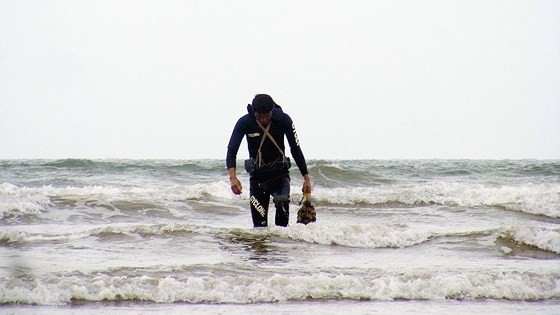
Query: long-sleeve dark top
x=281, y=125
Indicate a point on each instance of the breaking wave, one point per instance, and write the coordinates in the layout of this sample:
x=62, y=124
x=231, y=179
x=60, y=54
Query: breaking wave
x=348, y=235
x=538, y=199
x=180, y=286
x=543, y=238
x=27, y=201
x=378, y=235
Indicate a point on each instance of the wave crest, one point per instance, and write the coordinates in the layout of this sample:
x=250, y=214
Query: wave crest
x=245, y=289
x=357, y=235
x=71, y=163
x=547, y=239
x=16, y=201
x=539, y=199
x=26, y=201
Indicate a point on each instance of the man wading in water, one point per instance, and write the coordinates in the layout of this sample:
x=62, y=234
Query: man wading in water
x=265, y=126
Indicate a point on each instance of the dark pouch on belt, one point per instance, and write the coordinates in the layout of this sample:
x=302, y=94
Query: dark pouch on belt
x=250, y=165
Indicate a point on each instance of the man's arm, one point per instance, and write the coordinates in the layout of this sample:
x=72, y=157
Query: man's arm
x=231, y=157
x=235, y=184
x=297, y=154
x=234, y=143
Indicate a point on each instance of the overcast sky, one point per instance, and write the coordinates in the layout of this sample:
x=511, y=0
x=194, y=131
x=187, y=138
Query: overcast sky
x=361, y=79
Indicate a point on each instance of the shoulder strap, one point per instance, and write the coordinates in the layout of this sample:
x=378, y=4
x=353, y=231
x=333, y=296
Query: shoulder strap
x=267, y=134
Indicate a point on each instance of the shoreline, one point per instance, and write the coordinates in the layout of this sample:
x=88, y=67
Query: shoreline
x=296, y=307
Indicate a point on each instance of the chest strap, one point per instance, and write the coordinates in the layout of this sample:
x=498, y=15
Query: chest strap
x=267, y=134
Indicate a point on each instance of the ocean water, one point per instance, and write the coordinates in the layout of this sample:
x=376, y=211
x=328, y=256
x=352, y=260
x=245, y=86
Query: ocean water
x=392, y=236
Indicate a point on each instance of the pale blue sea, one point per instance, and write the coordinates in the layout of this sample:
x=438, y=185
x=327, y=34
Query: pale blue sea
x=168, y=236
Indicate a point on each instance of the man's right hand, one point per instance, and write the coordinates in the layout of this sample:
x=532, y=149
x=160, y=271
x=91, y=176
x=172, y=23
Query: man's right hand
x=236, y=187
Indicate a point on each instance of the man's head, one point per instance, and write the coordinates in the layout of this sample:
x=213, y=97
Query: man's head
x=263, y=105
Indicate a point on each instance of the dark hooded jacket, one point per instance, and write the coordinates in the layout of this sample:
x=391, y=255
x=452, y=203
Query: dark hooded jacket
x=281, y=125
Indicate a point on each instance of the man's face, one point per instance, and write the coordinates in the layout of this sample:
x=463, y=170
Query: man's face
x=263, y=118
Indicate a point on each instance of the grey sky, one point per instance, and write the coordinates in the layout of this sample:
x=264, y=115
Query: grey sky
x=361, y=79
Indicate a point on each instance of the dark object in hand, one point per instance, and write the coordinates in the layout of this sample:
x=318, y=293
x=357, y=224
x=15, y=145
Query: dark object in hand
x=306, y=214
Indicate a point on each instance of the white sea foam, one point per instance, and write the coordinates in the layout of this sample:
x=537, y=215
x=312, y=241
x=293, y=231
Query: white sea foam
x=59, y=289
x=154, y=229
x=538, y=236
x=350, y=235
x=16, y=201
x=356, y=235
x=540, y=199
x=379, y=235
x=10, y=236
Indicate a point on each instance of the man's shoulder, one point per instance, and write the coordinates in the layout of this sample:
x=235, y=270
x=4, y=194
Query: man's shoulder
x=246, y=122
x=279, y=114
x=245, y=118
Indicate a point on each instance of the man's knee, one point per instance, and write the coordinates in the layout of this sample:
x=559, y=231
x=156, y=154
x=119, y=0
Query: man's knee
x=282, y=203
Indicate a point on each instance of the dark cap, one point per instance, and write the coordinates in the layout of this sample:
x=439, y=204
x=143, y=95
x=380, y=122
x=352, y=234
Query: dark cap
x=263, y=103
